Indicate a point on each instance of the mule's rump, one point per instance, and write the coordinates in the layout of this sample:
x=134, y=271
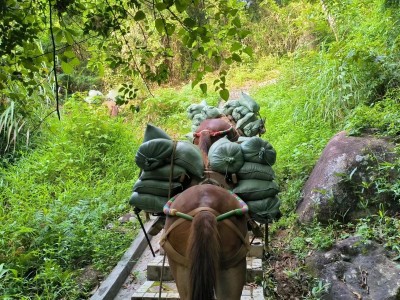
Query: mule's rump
x=207, y=257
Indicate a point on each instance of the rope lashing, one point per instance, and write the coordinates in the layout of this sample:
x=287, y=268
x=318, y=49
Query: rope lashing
x=238, y=211
x=261, y=154
x=213, y=133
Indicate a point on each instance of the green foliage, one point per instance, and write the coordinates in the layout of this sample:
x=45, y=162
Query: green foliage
x=10, y=127
x=60, y=204
x=144, y=42
x=381, y=117
x=313, y=237
x=382, y=228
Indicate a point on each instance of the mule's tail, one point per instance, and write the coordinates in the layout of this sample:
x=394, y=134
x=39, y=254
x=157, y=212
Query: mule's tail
x=204, y=145
x=203, y=250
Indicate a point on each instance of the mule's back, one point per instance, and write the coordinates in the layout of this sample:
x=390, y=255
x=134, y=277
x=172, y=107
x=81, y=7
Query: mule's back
x=199, y=242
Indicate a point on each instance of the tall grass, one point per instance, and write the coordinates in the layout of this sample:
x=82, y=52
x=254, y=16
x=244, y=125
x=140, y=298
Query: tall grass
x=61, y=204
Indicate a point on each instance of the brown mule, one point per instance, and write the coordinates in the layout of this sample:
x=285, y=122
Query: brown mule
x=207, y=254
x=211, y=130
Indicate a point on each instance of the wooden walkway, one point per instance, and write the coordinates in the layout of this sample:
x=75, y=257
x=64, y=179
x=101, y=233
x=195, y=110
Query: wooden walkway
x=150, y=289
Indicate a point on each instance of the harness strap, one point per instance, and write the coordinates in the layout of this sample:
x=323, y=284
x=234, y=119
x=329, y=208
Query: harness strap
x=225, y=263
x=213, y=133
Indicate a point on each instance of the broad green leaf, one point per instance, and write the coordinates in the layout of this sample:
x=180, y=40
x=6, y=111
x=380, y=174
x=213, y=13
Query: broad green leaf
x=68, y=37
x=170, y=28
x=224, y=94
x=181, y=5
x=195, y=65
x=232, y=31
x=140, y=15
x=248, y=50
x=236, y=57
x=58, y=35
x=189, y=22
x=228, y=60
x=203, y=87
x=159, y=23
x=236, y=22
x=236, y=46
x=67, y=68
x=74, y=62
x=161, y=6
x=244, y=33
x=233, y=12
x=199, y=77
x=69, y=54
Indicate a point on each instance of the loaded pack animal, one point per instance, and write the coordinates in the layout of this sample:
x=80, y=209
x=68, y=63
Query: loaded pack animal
x=206, y=243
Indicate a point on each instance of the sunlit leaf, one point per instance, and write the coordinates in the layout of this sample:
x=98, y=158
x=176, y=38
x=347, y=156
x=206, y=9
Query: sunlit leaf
x=236, y=57
x=203, y=87
x=224, y=94
x=67, y=68
x=159, y=23
x=140, y=15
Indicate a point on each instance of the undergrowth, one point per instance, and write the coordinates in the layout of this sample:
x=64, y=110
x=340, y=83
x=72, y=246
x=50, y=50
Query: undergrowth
x=61, y=204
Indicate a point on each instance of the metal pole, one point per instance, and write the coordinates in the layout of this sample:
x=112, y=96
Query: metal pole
x=266, y=241
x=136, y=210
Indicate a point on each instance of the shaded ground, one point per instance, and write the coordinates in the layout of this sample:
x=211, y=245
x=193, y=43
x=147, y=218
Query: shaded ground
x=284, y=276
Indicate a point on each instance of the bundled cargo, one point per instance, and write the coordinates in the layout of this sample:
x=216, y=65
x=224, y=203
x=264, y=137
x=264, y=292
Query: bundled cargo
x=265, y=210
x=245, y=112
x=251, y=170
x=195, y=109
x=167, y=167
x=261, y=197
x=257, y=150
x=225, y=156
x=251, y=160
x=200, y=112
x=255, y=189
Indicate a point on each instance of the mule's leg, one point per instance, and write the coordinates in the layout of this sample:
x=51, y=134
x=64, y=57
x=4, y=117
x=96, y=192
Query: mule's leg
x=181, y=276
x=231, y=282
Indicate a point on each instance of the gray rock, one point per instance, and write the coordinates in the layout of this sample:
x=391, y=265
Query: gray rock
x=333, y=188
x=357, y=270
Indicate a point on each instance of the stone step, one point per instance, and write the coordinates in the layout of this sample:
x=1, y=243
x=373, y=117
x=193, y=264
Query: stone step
x=254, y=269
x=150, y=290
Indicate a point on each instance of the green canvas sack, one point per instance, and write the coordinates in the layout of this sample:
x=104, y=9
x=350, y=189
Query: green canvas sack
x=229, y=106
x=148, y=203
x=250, y=117
x=257, y=150
x=153, y=154
x=194, y=109
x=153, y=132
x=225, y=156
x=157, y=187
x=210, y=112
x=265, y=210
x=239, y=112
x=252, y=128
x=189, y=157
x=164, y=173
x=255, y=189
x=247, y=101
x=251, y=170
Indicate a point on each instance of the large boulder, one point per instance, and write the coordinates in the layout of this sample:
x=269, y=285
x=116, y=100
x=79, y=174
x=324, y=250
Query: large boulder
x=346, y=172
x=357, y=269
